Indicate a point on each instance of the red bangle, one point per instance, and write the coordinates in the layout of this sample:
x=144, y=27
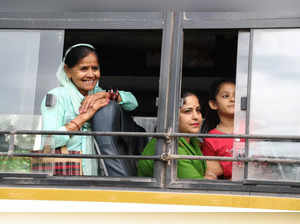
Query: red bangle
x=77, y=125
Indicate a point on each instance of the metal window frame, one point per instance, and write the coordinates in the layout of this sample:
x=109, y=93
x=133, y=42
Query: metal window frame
x=83, y=20
x=172, y=24
x=224, y=20
x=101, y=21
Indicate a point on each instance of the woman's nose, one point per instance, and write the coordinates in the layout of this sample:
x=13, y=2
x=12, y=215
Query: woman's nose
x=195, y=115
x=90, y=72
x=232, y=98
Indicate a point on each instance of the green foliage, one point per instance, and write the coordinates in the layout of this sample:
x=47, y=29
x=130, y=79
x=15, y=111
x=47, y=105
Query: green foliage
x=15, y=164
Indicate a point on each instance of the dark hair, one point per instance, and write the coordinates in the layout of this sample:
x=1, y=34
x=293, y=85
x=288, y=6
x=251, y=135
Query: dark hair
x=211, y=117
x=186, y=94
x=76, y=54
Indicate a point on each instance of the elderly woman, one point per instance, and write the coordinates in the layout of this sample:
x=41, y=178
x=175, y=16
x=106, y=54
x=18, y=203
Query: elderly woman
x=71, y=106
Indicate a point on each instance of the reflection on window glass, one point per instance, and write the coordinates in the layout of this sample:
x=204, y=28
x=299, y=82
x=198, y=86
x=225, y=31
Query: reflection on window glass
x=28, y=64
x=23, y=143
x=274, y=96
x=19, y=65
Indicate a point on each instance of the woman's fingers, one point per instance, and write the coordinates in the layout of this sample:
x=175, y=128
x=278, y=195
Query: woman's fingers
x=85, y=104
x=89, y=101
x=100, y=103
x=94, y=108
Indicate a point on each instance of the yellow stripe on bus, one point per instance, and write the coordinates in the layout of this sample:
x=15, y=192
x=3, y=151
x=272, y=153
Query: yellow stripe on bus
x=172, y=198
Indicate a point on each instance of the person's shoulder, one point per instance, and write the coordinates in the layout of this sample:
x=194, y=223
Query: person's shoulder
x=58, y=91
x=212, y=141
x=150, y=147
x=60, y=95
x=195, y=141
x=215, y=131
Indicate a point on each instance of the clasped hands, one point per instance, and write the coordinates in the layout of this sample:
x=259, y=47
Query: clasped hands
x=93, y=103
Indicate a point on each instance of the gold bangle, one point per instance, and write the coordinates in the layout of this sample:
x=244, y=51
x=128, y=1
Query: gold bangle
x=77, y=125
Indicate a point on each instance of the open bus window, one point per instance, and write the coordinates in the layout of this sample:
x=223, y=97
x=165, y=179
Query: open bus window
x=274, y=107
x=129, y=61
x=208, y=55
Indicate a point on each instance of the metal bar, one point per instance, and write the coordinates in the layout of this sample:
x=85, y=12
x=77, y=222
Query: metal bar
x=271, y=182
x=159, y=170
x=18, y=175
x=165, y=135
x=101, y=161
x=256, y=137
x=82, y=20
x=4, y=132
x=230, y=186
x=156, y=157
x=56, y=181
x=249, y=88
x=11, y=146
x=242, y=76
x=90, y=133
x=240, y=20
x=148, y=184
x=164, y=157
x=175, y=92
x=245, y=159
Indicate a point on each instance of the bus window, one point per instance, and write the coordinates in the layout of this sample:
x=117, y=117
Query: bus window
x=129, y=61
x=208, y=55
x=274, y=108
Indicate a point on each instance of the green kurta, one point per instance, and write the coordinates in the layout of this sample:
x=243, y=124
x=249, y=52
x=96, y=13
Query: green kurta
x=185, y=168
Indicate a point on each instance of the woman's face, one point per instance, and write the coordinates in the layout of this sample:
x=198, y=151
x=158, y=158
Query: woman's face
x=190, y=117
x=85, y=74
x=225, y=100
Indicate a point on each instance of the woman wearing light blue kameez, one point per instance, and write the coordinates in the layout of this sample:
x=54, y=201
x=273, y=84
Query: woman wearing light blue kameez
x=76, y=101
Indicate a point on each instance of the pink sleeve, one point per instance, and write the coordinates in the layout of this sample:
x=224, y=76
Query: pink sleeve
x=207, y=149
x=227, y=169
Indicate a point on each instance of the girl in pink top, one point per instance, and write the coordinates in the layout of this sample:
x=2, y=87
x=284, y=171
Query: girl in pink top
x=219, y=119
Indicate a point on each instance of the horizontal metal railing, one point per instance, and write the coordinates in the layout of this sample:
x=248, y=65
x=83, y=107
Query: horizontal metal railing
x=155, y=134
x=163, y=157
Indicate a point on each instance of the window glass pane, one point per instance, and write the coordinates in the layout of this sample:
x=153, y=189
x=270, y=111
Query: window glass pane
x=19, y=63
x=240, y=91
x=23, y=143
x=29, y=61
x=274, y=96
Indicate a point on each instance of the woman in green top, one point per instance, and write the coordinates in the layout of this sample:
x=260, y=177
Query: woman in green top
x=190, y=120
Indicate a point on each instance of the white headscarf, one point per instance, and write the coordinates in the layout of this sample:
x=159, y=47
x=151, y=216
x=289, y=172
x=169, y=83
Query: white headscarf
x=64, y=80
x=89, y=165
